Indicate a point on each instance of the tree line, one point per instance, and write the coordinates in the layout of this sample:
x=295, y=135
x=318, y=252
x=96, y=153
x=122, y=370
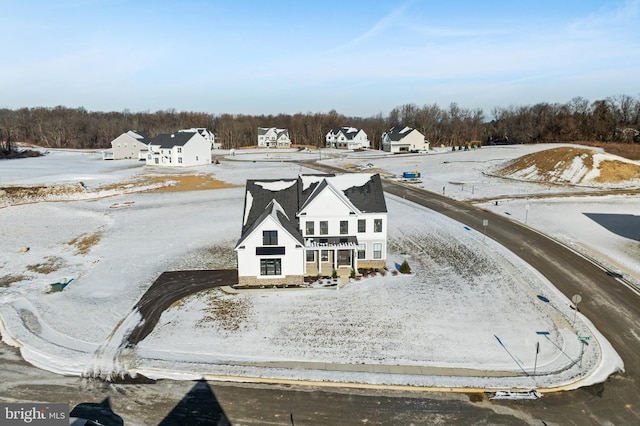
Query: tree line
x=614, y=119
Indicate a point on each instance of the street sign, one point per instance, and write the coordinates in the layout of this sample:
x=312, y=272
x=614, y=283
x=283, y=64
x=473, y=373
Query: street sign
x=485, y=222
x=584, y=339
x=576, y=299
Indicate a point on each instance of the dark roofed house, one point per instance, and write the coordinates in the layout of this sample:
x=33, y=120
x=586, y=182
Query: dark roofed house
x=180, y=149
x=404, y=139
x=346, y=138
x=311, y=225
x=272, y=137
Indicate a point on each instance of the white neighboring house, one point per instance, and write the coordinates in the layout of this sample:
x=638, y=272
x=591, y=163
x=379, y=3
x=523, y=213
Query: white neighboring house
x=131, y=144
x=205, y=133
x=347, y=138
x=404, y=139
x=180, y=149
x=271, y=137
x=309, y=226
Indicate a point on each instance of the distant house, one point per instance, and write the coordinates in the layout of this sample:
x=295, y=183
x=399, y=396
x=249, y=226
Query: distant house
x=132, y=144
x=311, y=225
x=346, y=138
x=271, y=137
x=403, y=139
x=205, y=133
x=180, y=149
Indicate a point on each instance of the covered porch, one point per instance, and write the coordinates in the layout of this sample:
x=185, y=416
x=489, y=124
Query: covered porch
x=327, y=254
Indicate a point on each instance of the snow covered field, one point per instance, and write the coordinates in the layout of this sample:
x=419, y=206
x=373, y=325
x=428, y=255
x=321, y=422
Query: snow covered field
x=469, y=304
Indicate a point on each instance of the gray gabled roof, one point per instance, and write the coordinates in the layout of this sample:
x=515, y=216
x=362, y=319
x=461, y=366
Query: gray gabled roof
x=396, y=133
x=258, y=196
x=291, y=195
x=348, y=132
x=273, y=210
x=368, y=198
x=170, y=140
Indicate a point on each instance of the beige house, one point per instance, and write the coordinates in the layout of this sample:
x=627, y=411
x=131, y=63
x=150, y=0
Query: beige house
x=131, y=144
x=404, y=139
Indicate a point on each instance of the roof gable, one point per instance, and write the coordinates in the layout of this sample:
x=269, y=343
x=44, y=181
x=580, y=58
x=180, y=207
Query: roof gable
x=321, y=191
x=275, y=214
x=170, y=140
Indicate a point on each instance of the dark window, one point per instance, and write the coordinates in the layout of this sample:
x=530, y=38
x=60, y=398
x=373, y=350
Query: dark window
x=362, y=225
x=324, y=227
x=310, y=228
x=324, y=255
x=344, y=227
x=269, y=238
x=377, y=225
x=310, y=256
x=362, y=251
x=270, y=267
x=269, y=250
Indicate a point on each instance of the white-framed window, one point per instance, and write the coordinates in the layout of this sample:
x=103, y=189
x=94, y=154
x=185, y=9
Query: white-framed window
x=362, y=251
x=377, y=225
x=179, y=150
x=311, y=255
x=310, y=227
x=270, y=266
x=269, y=238
x=324, y=255
x=377, y=250
x=362, y=225
x=344, y=227
x=180, y=160
x=324, y=227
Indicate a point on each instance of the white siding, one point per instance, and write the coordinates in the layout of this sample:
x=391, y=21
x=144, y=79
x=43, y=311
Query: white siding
x=249, y=262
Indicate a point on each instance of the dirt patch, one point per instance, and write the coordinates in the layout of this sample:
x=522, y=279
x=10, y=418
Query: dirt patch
x=51, y=264
x=172, y=183
x=550, y=162
x=84, y=242
x=21, y=194
x=614, y=171
x=7, y=280
x=630, y=151
x=569, y=165
x=228, y=312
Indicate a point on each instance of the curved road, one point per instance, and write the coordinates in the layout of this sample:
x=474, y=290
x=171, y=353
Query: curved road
x=612, y=307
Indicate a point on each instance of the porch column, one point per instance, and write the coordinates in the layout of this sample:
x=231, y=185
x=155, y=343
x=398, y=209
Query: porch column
x=335, y=259
x=354, y=261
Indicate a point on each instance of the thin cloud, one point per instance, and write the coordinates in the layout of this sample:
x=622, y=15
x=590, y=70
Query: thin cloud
x=386, y=22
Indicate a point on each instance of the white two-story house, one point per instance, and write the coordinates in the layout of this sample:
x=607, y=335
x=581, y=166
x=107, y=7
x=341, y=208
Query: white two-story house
x=311, y=225
x=271, y=137
x=404, y=139
x=180, y=149
x=346, y=138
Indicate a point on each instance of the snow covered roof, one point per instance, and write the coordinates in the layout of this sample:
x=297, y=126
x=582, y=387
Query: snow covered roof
x=396, y=133
x=348, y=132
x=172, y=139
x=362, y=190
x=278, y=214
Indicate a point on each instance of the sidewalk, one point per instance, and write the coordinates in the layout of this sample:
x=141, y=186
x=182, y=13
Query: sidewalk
x=386, y=369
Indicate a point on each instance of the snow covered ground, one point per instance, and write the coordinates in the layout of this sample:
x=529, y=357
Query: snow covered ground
x=456, y=310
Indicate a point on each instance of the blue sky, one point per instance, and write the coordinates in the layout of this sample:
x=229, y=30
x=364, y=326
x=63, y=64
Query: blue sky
x=360, y=58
